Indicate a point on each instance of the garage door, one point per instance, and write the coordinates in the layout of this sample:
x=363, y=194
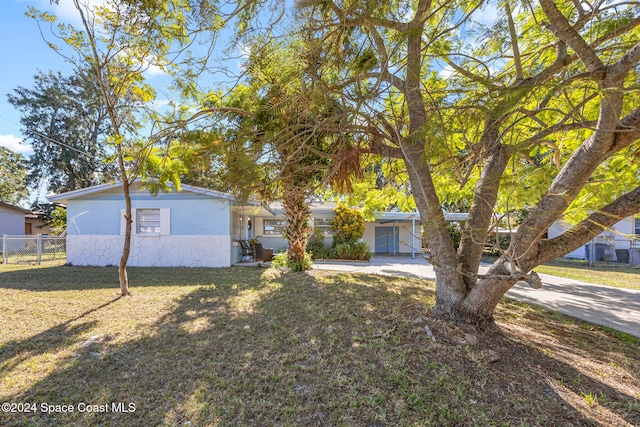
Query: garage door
x=387, y=240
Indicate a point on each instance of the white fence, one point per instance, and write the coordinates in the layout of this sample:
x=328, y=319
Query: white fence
x=32, y=248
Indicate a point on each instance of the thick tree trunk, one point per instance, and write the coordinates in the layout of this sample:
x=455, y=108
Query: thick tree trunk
x=297, y=214
x=474, y=232
x=450, y=286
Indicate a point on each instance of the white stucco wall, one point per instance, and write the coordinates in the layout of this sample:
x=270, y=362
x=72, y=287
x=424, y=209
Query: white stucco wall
x=151, y=251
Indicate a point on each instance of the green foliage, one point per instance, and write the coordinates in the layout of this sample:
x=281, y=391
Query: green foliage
x=503, y=241
x=315, y=243
x=282, y=260
x=58, y=220
x=357, y=251
x=65, y=121
x=13, y=184
x=456, y=233
x=347, y=226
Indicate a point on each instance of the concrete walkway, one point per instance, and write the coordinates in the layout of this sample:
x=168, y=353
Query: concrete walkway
x=603, y=305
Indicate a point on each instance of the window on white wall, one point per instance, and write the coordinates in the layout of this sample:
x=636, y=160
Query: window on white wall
x=274, y=227
x=324, y=225
x=148, y=221
x=236, y=226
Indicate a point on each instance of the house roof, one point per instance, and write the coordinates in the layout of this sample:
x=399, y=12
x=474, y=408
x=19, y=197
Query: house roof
x=17, y=208
x=408, y=216
x=384, y=216
x=64, y=197
x=253, y=209
x=314, y=206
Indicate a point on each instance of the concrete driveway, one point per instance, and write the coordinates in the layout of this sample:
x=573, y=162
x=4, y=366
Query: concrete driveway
x=603, y=305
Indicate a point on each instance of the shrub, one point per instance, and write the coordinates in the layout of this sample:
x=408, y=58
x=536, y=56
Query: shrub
x=347, y=226
x=322, y=253
x=357, y=251
x=492, y=248
x=315, y=244
x=456, y=233
x=282, y=260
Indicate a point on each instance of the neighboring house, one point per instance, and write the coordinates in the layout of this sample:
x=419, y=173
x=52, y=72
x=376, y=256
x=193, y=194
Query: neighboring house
x=192, y=228
x=12, y=220
x=35, y=224
x=620, y=243
x=201, y=228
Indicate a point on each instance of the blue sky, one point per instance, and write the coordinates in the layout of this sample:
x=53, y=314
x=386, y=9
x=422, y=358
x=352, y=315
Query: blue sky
x=25, y=53
x=22, y=44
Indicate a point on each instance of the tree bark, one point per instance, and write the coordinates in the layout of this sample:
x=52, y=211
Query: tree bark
x=474, y=232
x=126, y=249
x=297, y=214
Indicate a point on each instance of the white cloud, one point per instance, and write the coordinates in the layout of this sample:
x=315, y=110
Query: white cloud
x=243, y=52
x=13, y=143
x=487, y=15
x=66, y=11
x=154, y=70
x=446, y=72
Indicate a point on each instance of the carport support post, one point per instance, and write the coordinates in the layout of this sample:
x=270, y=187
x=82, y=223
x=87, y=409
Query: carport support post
x=394, y=236
x=413, y=238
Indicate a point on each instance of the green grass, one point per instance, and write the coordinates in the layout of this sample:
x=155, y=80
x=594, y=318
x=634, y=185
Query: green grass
x=251, y=346
x=601, y=273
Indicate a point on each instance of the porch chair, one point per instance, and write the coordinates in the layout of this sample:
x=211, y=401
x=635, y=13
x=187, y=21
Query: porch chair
x=247, y=251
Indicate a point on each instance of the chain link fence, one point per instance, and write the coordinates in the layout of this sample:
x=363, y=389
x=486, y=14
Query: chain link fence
x=32, y=248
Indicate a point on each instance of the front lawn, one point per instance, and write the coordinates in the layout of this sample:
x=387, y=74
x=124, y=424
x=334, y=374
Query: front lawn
x=251, y=346
x=600, y=273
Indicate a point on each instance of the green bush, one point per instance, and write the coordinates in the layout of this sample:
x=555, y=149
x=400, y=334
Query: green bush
x=456, y=233
x=282, y=260
x=492, y=248
x=357, y=251
x=322, y=253
x=347, y=226
x=315, y=244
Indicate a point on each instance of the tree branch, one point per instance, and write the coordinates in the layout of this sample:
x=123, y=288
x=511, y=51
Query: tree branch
x=587, y=229
x=565, y=32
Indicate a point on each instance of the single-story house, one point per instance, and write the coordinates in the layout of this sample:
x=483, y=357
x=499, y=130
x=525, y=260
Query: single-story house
x=389, y=233
x=620, y=243
x=12, y=220
x=35, y=224
x=197, y=227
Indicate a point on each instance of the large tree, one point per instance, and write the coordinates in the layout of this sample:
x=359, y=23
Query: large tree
x=283, y=146
x=13, y=177
x=299, y=124
x=537, y=107
x=65, y=121
x=551, y=89
x=118, y=44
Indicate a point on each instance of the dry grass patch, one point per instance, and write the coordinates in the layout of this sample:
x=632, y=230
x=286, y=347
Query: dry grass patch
x=261, y=347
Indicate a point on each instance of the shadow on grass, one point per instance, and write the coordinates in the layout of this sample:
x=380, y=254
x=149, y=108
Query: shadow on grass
x=84, y=278
x=51, y=340
x=308, y=349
